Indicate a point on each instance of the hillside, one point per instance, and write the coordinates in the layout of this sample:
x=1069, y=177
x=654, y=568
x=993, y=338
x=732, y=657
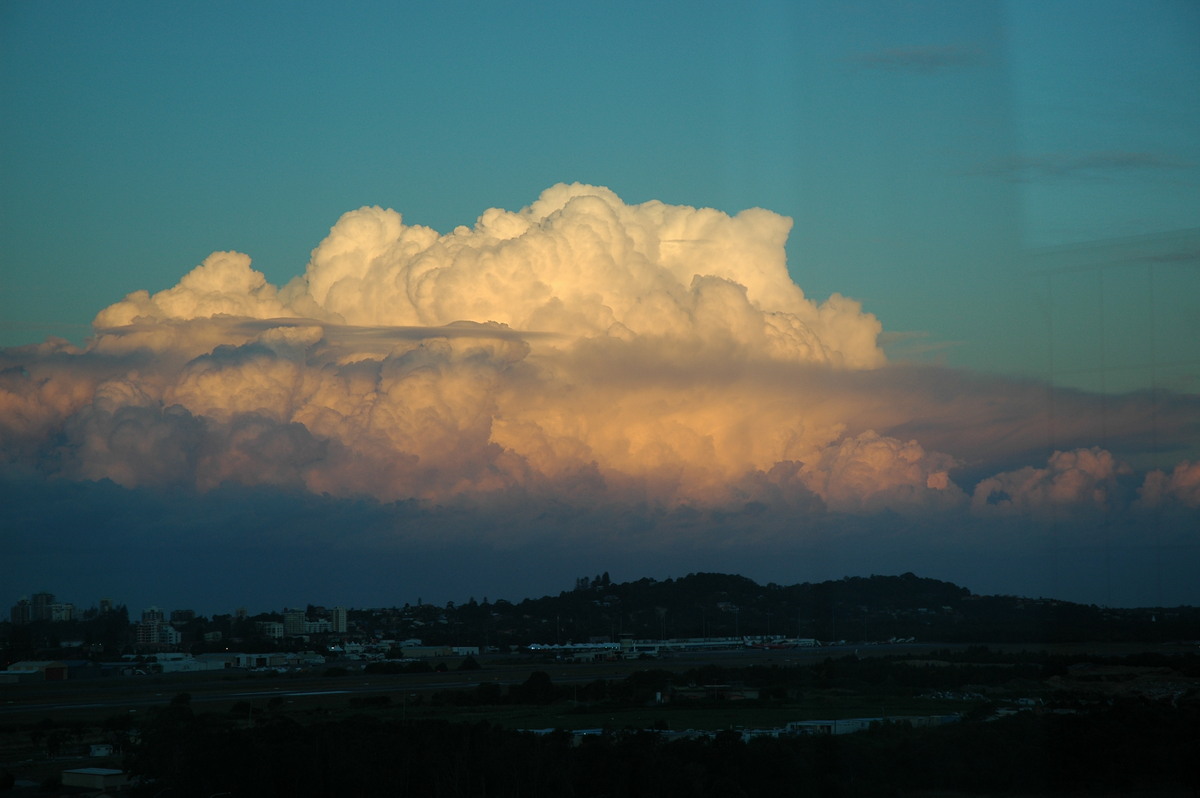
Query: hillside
x=855, y=609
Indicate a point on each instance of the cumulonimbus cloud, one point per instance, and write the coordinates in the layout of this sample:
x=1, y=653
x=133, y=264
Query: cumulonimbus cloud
x=579, y=348
x=578, y=262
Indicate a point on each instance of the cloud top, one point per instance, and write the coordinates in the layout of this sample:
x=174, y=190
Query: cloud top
x=578, y=262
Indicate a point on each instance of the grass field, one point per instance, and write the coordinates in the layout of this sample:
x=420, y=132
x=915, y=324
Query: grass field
x=75, y=714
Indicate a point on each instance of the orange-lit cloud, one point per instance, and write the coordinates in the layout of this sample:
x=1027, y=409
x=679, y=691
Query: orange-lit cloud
x=578, y=348
x=1081, y=478
x=1181, y=486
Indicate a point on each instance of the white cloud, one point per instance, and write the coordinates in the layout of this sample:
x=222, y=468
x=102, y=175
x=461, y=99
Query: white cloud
x=579, y=348
x=1082, y=478
x=578, y=262
x=870, y=471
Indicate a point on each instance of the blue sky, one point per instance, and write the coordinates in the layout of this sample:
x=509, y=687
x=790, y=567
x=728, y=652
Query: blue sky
x=1011, y=188
x=921, y=148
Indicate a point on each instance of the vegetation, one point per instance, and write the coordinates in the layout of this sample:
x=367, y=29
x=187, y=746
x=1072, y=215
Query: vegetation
x=1122, y=745
x=1032, y=722
x=853, y=609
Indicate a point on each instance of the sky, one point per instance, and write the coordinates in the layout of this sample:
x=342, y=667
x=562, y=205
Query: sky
x=359, y=304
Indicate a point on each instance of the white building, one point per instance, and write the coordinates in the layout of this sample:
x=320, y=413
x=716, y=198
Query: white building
x=844, y=726
x=317, y=627
x=62, y=612
x=272, y=629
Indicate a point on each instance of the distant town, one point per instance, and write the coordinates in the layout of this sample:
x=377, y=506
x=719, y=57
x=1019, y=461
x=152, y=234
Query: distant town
x=709, y=684
x=598, y=619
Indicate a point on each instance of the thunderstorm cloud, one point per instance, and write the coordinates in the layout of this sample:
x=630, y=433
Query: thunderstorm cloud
x=580, y=354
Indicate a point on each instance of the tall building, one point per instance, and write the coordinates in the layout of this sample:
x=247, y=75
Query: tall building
x=156, y=633
x=339, y=620
x=22, y=612
x=149, y=630
x=62, y=612
x=41, y=606
x=293, y=622
x=106, y=605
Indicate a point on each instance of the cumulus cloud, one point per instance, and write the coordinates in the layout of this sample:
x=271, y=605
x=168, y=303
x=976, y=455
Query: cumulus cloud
x=579, y=350
x=872, y=471
x=578, y=262
x=1181, y=487
x=1083, y=478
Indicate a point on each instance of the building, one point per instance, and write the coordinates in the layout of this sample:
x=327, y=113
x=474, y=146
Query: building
x=41, y=606
x=340, y=620
x=94, y=778
x=426, y=652
x=37, y=671
x=293, y=622
x=153, y=629
x=146, y=633
x=61, y=611
x=176, y=662
x=272, y=629
x=321, y=627
x=22, y=612
x=843, y=726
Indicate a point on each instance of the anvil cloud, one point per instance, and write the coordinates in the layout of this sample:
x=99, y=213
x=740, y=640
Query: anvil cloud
x=579, y=352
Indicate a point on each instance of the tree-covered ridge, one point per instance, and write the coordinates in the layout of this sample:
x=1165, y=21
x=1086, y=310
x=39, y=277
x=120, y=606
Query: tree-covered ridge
x=854, y=609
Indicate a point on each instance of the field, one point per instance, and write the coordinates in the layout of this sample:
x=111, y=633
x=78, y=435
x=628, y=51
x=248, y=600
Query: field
x=47, y=727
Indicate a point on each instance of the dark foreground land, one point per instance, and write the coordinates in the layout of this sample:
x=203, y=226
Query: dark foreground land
x=1077, y=720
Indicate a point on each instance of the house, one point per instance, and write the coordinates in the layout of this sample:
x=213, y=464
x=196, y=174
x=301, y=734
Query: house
x=35, y=671
x=844, y=726
x=94, y=778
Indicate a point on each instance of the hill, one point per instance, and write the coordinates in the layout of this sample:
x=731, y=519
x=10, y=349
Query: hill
x=854, y=609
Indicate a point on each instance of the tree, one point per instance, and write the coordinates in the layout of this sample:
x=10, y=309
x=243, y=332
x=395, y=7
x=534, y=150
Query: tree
x=537, y=689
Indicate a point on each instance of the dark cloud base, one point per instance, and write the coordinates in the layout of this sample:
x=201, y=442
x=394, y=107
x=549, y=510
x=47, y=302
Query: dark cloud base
x=265, y=548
